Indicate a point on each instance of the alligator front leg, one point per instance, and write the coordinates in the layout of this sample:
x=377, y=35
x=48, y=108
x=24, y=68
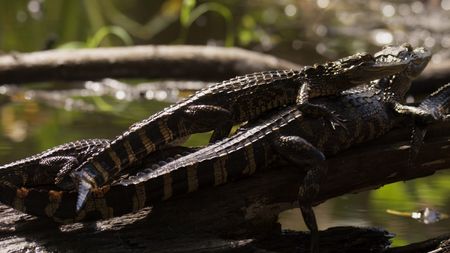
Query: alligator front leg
x=310, y=90
x=433, y=108
x=300, y=152
x=210, y=117
x=437, y=104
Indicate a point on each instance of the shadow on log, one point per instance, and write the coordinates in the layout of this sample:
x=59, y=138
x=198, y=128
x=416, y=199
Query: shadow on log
x=234, y=217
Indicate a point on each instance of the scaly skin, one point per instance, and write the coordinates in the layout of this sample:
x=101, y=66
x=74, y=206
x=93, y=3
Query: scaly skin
x=225, y=104
x=66, y=156
x=368, y=112
x=40, y=170
x=28, y=185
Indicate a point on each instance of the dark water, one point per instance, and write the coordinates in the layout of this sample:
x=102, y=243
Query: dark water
x=370, y=209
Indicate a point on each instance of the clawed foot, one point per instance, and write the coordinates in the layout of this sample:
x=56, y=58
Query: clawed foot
x=334, y=119
x=439, y=116
x=435, y=115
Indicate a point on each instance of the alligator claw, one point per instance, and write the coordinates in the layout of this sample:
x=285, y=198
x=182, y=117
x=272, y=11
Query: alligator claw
x=333, y=118
x=84, y=191
x=337, y=121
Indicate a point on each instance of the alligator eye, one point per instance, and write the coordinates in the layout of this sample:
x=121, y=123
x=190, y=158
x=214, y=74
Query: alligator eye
x=365, y=56
x=408, y=46
x=320, y=67
x=309, y=71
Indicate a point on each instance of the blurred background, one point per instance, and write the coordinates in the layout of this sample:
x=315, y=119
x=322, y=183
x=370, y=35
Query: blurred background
x=38, y=116
x=303, y=31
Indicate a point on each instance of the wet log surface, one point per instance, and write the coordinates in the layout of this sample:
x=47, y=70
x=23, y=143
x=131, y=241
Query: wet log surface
x=238, y=216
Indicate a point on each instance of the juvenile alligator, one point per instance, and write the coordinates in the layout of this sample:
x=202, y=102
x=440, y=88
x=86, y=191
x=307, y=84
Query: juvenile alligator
x=50, y=162
x=28, y=184
x=224, y=104
x=368, y=112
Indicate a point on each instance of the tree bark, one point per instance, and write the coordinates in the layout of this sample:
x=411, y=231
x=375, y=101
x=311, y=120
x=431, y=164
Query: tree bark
x=174, y=62
x=236, y=216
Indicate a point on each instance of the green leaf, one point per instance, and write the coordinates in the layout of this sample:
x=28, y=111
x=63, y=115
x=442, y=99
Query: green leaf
x=185, y=13
x=72, y=45
x=101, y=34
x=188, y=16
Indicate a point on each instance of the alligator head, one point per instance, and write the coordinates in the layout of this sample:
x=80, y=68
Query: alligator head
x=415, y=59
x=360, y=68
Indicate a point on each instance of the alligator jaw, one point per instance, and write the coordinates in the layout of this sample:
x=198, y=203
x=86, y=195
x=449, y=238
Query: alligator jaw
x=381, y=69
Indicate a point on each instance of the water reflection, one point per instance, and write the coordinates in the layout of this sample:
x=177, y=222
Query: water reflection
x=417, y=22
x=426, y=215
x=323, y=3
x=370, y=209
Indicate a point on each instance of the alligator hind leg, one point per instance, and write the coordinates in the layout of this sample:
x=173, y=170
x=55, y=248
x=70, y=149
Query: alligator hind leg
x=302, y=153
x=207, y=117
x=435, y=107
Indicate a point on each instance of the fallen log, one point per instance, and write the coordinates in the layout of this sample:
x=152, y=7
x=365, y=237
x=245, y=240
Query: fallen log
x=204, y=63
x=173, y=62
x=235, y=216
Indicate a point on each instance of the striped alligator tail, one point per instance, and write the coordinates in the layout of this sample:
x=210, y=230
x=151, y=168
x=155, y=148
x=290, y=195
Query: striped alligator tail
x=140, y=140
x=106, y=202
